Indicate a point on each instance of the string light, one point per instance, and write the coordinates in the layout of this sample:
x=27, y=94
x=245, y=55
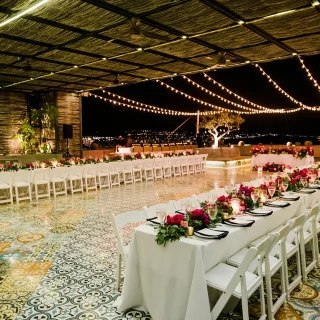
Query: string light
x=207, y=104
x=311, y=78
x=222, y=98
x=302, y=105
x=147, y=105
x=248, y=101
x=145, y=109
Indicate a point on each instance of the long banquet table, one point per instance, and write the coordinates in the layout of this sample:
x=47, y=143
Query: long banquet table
x=287, y=159
x=169, y=282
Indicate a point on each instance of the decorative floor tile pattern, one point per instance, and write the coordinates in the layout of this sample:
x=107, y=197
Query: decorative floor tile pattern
x=58, y=256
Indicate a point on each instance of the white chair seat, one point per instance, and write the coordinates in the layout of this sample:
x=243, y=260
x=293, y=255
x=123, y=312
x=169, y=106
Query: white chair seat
x=21, y=184
x=219, y=278
x=237, y=258
x=4, y=185
x=57, y=179
x=74, y=177
x=307, y=236
x=290, y=249
x=40, y=182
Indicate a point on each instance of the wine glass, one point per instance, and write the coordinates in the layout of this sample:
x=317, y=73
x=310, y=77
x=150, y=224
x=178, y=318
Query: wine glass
x=213, y=210
x=161, y=213
x=185, y=204
x=304, y=181
x=271, y=189
x=255, y=196
x=284, y=185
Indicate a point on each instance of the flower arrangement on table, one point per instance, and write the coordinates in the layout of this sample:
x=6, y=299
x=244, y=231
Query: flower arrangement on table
x=298, y=153
x=273, y=167
x=176, y=226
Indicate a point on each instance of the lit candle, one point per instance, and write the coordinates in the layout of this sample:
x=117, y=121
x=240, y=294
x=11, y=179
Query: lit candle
x=235, y=204
x=43, y=165
x=263, y=196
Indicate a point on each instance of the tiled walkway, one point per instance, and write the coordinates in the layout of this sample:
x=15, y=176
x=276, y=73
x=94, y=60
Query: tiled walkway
x=58, y=257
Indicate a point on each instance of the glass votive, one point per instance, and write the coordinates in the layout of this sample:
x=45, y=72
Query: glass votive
x=190, y=231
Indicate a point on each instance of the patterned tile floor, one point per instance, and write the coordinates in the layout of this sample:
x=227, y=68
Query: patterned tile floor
x=58, y=257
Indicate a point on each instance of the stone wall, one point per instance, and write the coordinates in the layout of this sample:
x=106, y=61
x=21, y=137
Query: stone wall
x=13, y=109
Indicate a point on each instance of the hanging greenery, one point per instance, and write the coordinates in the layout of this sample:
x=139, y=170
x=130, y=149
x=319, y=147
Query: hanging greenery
x=46, y=118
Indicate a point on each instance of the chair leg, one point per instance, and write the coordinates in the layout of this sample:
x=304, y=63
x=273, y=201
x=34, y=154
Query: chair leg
x=11, y=195
x=118, y=277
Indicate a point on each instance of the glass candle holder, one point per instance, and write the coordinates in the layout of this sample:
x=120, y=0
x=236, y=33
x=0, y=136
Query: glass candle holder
x=235, y=204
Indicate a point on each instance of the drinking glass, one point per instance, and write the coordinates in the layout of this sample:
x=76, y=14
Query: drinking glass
x=161, y=213
x=255, y=196
x=271, y=189
x=185, y=204
x=213, y=211
x=313, y=178
x=304, y=182
x=285, y=185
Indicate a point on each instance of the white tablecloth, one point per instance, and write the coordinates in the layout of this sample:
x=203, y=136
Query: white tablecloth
x=288, y=159
x=169, y=282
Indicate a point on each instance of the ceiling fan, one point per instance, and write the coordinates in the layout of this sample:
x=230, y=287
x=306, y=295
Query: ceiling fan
x=117, y=81
x=136, y=33
x=225, y=60
x=28, y=67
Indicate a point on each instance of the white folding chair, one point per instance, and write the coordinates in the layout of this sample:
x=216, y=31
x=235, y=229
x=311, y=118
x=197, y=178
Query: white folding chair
x=41, y=182
x=148, y=171
x=176, y=168
x=74, y=177
x=103, y=175
x=90, y=176
x=137, y=170
x=6, y=181
x=22, y=186
x=118, y=221
x=127, y=172
x=309, y=235
x=166, y=164
x=158, y=169
x=197, y=164
x=292, y=247
x=203, y=162
x=58, y=181
x=274, y=262
x=184, y=165
x=190, y=164
x=115, y=173
x=239, y=281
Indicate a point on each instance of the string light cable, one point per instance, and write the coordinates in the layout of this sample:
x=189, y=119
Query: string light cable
x=248, y=101
x=310, y=76
x=144, y=104
x=267, y=110
x=203, y=102
x=286, y=93
x=141, y=108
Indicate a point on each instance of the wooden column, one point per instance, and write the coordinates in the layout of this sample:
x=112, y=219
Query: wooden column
x=69, y=108
x=13, y=108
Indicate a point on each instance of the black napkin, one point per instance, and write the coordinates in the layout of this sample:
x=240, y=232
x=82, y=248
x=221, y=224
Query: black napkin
x=246, y=223
x=222, y=234
x=268, y=213
x=277, y=205
x=152, y=220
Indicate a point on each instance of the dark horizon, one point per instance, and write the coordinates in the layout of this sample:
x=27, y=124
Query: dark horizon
x=104, y=118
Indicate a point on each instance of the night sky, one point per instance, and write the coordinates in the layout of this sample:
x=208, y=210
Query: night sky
x=103, y=118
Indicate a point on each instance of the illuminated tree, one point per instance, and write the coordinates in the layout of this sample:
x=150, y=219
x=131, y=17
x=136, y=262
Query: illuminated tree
x=221, y=124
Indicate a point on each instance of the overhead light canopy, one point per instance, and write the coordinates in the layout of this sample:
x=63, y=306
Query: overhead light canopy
x=23, y=12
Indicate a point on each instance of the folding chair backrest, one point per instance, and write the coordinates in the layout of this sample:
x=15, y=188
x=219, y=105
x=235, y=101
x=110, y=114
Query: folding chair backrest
x=42, y=174
x=282, y=235
x=22, y=176
x=59, y=172
x=6, y=177
x=177, y=204
x=311, y=218
x=103, y=167
x=75, y=170
x=124, y=218
x=90, y=168
x=297, y=223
